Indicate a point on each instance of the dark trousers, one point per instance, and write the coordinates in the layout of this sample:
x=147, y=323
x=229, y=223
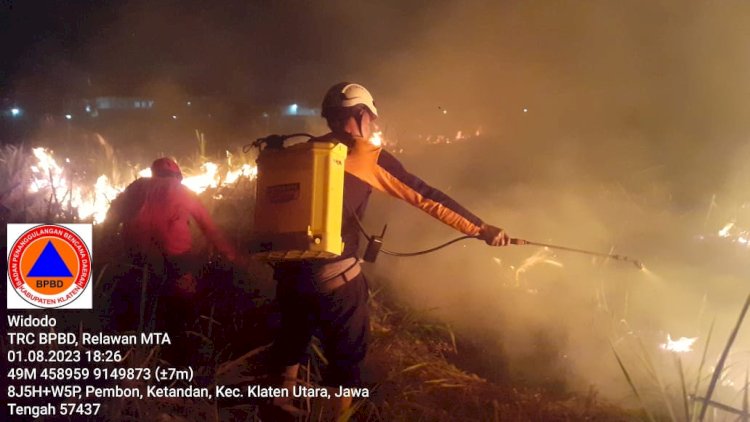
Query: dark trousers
x=149, y=295
x=340, y=317
x=160, y=294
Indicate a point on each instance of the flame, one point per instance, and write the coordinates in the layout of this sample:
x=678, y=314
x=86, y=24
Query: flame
x=542, y=256
x=731, y=231
x=91, y=203
x=377, y=138
x=207, y=178
x=96, y=205
x=47, y=174
x=725, y=231
x=681, y=345
x=245, y=171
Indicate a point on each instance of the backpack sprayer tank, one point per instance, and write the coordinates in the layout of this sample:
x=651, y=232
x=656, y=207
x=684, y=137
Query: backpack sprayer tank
x=299, y=200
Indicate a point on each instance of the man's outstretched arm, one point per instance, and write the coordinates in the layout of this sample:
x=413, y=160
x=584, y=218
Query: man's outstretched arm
x=391, y=177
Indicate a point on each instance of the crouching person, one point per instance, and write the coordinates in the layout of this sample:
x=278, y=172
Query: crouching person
x=155, y=214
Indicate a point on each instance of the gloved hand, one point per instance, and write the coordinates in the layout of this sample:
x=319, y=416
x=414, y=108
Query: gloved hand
x=187, y=284
x=494, y=236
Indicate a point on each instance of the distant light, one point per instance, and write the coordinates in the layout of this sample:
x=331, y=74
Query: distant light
x=526, y=110
x=265, y=114
x=189, y=103
x=69, y=116
x=445, y=111
x=67, y=160
x=293, y=108
x=88, y=109
x=15, y=111
x=174, y=117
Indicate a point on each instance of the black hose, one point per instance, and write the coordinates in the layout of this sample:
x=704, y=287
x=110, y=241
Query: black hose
x=426, y=251
x=407, y=254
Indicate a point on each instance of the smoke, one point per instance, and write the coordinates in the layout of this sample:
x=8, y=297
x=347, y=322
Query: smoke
x=610, y=126
x=634, y=125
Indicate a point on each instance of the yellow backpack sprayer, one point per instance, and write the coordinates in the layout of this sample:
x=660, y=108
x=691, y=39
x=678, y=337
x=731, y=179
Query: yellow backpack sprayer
x=299, y=199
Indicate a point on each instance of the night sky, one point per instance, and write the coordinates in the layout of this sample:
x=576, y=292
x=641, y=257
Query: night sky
x=260, y=49
x=660, y=81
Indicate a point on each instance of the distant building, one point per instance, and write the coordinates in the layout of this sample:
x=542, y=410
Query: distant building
x=297, y=118
x=118, y=103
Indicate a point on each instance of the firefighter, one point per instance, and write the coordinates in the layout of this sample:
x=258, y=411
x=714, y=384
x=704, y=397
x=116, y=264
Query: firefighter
x=331, y=295
x=155, y=213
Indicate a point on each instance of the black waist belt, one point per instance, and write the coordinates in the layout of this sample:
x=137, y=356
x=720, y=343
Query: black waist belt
x=335, y=275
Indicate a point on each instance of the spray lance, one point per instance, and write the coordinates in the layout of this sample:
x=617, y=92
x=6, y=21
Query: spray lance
x=633, y=261
x=375, y=245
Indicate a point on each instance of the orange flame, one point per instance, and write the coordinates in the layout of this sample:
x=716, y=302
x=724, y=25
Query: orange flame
x=92, y=202
x=681, y=345
x=377, y=138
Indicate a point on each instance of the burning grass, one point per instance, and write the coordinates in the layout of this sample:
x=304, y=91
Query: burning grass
x=417, y=367
x=667, y=389
x=37, y=185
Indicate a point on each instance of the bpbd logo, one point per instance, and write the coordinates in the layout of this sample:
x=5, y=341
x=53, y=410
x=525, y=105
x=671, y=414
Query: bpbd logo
x=49, y=266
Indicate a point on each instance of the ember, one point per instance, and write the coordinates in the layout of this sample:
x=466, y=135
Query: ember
x=681, y=345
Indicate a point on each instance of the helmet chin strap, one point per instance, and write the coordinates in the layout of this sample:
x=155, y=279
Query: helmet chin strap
x=359, y=124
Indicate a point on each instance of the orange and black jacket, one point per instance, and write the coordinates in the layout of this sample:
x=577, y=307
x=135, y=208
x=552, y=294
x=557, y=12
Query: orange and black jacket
x=369, y=166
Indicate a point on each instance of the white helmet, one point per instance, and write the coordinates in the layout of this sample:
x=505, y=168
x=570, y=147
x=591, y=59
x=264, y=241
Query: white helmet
x=348, y=95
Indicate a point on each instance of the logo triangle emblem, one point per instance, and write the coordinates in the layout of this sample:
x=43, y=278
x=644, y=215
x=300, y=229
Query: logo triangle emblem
x=49, y=264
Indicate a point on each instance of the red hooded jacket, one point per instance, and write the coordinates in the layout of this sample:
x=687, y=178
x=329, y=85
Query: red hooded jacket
x=156, y=213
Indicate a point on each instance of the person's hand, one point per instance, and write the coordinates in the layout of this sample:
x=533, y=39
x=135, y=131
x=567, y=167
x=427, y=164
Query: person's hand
x=187, y=284
x=494, y=236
